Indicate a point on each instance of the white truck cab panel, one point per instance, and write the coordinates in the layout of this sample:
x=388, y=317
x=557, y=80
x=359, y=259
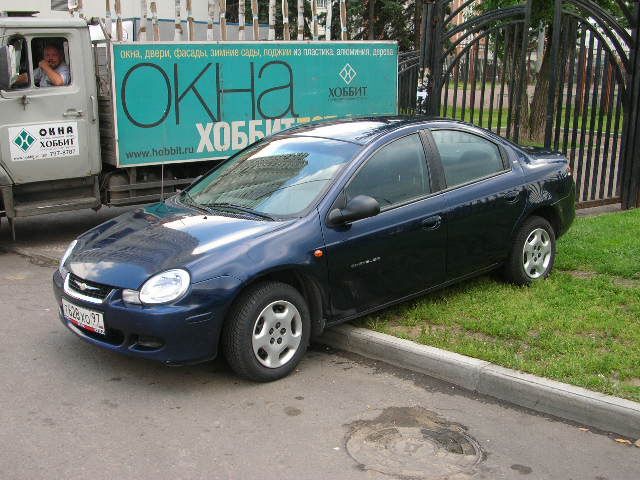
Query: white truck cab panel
x=49, y=133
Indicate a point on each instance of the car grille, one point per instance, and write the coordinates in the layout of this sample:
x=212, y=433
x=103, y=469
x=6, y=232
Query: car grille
x=87, y=288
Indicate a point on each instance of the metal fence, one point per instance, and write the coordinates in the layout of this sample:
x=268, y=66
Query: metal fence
x=580, y=96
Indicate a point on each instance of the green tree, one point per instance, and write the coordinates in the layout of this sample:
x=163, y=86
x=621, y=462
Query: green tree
x=389, y=19
x=397, y=20
x=542, y=16
x=263, y=15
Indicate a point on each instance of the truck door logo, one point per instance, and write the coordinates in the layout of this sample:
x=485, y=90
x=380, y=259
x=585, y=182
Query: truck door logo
x=348, y=74
x=24, y=140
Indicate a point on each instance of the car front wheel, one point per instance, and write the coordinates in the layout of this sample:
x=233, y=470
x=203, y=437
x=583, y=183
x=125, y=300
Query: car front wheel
x=533, y=252
x=267, y=332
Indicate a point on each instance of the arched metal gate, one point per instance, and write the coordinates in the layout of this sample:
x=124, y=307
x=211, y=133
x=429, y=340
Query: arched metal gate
x=576, y=90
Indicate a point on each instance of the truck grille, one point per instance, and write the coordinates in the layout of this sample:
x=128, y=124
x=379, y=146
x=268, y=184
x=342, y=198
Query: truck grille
x=87, y=288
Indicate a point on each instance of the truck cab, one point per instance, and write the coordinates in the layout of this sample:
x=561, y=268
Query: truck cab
x=50, y=142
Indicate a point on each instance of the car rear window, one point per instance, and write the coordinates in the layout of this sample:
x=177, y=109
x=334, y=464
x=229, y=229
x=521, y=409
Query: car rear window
x=466, y=157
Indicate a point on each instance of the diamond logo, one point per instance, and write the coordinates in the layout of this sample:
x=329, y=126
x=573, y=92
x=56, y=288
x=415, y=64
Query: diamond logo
x=348, y=74
x=24, y=140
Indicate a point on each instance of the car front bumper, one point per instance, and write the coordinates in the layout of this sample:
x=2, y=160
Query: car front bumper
x=180, y=333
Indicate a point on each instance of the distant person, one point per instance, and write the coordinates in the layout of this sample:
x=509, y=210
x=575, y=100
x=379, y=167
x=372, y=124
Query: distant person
x=52, y=71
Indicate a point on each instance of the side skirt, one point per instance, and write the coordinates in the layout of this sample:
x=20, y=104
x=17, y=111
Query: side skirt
x=440, y=286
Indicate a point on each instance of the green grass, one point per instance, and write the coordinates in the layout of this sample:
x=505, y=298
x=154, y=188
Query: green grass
x=502, y=114
x=607, y=244
x=580, y=327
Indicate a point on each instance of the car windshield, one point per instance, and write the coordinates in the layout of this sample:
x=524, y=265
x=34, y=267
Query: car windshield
x=281, y=177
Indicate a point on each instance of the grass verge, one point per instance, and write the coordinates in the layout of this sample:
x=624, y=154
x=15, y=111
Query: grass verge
x=580, y=326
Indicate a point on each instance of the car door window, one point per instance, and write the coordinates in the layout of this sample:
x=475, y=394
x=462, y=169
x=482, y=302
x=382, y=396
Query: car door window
x=466, y=157
x=395, y=174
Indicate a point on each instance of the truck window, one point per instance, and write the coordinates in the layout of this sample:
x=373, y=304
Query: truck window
x=51, y=66
x=22, y=59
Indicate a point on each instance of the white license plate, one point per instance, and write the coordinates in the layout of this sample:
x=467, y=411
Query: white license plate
x=83, y=317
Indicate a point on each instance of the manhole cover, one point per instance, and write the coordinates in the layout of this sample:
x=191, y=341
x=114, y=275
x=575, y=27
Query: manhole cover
x=415, y=443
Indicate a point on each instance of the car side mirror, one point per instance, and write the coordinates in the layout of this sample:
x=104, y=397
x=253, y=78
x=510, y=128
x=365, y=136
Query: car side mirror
x=359, y=207
x=8, y=67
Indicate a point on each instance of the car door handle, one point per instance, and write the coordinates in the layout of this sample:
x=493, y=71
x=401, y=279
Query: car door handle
x=512, y=196
x=72, y=113
x=431, y=223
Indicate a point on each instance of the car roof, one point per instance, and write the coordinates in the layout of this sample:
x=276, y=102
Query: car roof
x=362, y=130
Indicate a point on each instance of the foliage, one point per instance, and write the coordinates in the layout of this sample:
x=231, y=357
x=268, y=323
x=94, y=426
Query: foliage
x=263, y=15
x=532, y=126
x=393, y=19
x=542, y=11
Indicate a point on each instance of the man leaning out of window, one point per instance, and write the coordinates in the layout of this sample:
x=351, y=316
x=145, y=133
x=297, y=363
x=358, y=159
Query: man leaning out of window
x=52, y=71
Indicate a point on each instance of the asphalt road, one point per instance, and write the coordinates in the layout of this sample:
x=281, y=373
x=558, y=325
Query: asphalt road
x=72, y=411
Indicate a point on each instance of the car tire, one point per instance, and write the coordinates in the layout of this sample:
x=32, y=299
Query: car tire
x=266, y=332
x=533, y=252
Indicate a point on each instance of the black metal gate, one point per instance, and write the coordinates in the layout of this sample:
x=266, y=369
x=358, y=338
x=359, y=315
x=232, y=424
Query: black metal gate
x=575, y=89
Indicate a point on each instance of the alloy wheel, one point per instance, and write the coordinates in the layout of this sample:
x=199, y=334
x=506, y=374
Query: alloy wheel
x=277, y=333
x=536, y=253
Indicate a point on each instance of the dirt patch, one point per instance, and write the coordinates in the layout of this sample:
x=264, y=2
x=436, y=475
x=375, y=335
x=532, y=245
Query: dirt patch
x=619, y=281
x=633, y=382
x=410, y=332
x=626, y=282
x=581, y=274
x=456, y=329
x=415, y=331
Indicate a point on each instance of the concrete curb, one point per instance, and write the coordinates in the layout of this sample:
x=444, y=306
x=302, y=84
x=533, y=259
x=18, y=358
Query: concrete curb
x=577, y=404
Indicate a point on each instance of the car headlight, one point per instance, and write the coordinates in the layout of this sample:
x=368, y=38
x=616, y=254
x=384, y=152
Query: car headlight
x=165, y=287
x=61, y=269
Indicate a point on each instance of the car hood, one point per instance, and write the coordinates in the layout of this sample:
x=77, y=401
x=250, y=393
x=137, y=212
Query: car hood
x=126, y=251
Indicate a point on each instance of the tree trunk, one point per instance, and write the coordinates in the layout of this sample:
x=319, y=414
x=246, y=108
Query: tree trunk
x=417, y=25
x=512, y=71
x=538, y=110
x=372, y=4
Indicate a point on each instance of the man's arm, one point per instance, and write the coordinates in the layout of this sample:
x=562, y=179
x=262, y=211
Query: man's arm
x=21, y=81
x=54, y=77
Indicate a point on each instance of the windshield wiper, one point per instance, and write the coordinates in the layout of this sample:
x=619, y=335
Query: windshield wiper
x=239, y=208
x=185, y=195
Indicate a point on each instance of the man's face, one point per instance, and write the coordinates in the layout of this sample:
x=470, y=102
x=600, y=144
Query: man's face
x=52, y=57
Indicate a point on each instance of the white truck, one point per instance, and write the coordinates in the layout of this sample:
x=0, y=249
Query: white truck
x=139, y=120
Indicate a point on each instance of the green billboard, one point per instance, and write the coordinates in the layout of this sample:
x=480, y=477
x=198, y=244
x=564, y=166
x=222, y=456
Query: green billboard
x=200, y=101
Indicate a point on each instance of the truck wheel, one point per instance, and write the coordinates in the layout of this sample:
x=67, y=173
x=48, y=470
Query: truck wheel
x=266, y=332
x=533, y=252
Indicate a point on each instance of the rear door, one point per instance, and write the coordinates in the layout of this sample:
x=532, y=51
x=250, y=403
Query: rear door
x=484, y=199
x=50, y=133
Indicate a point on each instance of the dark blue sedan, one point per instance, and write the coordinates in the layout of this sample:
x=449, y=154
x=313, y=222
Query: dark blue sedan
x=309, y=228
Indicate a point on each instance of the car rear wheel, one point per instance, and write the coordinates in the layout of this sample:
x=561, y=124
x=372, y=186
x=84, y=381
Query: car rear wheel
x=267, y=332
x=533, y=252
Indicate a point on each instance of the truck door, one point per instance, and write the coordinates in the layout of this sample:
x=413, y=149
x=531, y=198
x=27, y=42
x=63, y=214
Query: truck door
x=50, y=132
